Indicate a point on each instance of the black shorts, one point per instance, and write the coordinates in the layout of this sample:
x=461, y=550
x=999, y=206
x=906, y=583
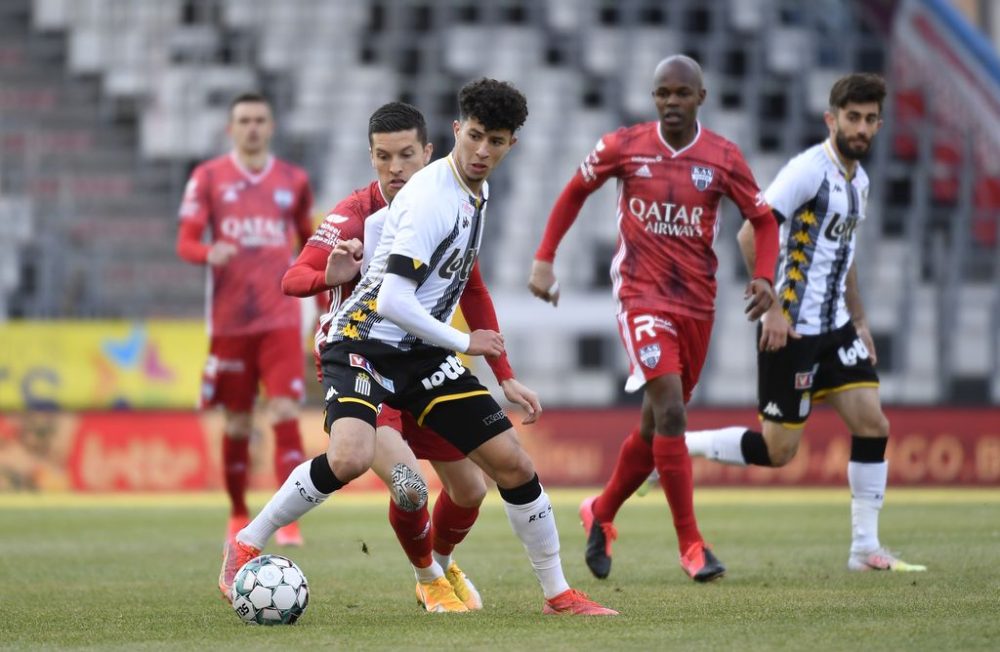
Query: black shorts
x=807, y=369
x=432, y=384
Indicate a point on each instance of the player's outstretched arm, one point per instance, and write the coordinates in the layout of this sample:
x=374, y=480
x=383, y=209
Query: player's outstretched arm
x=517, y=393
x=856, y=308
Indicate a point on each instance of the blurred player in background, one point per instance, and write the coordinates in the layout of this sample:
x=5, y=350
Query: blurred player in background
x=672, y=174
x=254, y=206
x=814, y=343
x=391, y=342
x=397, y=138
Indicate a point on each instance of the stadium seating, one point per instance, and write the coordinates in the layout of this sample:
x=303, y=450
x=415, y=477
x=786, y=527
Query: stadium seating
x=137, y=92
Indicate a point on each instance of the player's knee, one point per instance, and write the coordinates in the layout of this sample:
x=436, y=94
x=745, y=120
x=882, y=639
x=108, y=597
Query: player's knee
x=671, y=419
x=350, y=466
x=409, y=490
x=515, y=470
x=782, y=452
x=470, y=493
x=282, y=409
x=238, y=425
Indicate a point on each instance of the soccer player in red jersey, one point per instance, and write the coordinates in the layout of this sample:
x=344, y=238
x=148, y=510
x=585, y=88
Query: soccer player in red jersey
x=254, y=206
x=397, y=136
x=672, y=173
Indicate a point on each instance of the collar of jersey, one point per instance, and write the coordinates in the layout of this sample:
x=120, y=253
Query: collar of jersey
x=674, y=153
x=245, y=171
x=458, y=179
x=832, y=155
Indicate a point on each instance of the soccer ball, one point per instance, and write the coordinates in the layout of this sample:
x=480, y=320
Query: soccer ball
x=270, y=590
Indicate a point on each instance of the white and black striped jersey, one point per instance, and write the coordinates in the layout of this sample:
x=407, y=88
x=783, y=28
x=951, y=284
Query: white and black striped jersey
x=431, y=235
x=819, y=208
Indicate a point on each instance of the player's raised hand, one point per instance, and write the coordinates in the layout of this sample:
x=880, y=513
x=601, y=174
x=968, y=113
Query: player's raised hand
x=761, y=296
x=543, y=283
x=775, y=330
x=220, y=253
x=344, y=262
x=517, y=393
x=485, y=342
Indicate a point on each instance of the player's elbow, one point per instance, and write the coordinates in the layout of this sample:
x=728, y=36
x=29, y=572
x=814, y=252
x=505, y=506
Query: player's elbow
x=290, y=286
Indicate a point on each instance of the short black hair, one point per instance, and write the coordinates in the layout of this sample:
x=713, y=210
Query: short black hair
x=859, y=87
x=496, y=104
x=252, y=96
x=397, y=116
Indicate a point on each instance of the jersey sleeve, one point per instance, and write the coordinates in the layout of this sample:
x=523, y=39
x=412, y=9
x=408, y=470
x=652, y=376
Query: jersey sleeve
x=193, y=214
x=602, y=163
x=477, y=307
x=793, y=187
x=743, y=188
x=303, y=211
x=344, y=222
x=420, y=229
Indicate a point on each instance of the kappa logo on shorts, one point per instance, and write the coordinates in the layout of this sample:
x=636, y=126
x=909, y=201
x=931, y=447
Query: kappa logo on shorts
x=451, y=369
x=361, y=362
x=649, y=355
x=330, y=393
x=772, y=410
x=363, y=384
x=489, y=420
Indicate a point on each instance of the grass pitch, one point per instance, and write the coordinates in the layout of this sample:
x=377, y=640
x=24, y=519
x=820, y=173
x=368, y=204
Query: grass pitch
x=134, y=573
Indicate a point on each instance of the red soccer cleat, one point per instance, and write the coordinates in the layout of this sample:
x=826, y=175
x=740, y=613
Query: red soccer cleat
x=573, y=602
x=234, y=555
x=700, y=564
x=289, y=535
x=599, y=539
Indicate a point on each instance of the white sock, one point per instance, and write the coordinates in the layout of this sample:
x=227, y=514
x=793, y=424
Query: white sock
x=867, y=483
x=535, y=525
x=444, y=561
x=294, y=498
x=722, y=445
x=428, y=574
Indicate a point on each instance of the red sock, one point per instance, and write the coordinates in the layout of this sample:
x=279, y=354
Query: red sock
x=235, y=469
x=413, y=531
x=287, y=448
x=451, y=523
x=635, y=463
x=674, y=465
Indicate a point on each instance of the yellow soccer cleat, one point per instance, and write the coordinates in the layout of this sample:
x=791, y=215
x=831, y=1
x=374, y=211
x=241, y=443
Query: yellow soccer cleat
x=465, y=590
x=439, y=597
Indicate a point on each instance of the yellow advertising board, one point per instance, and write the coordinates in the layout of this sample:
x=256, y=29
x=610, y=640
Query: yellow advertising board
x=101, y=364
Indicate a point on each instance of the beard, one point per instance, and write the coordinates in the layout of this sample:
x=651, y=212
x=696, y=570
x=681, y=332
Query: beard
x=854, y=152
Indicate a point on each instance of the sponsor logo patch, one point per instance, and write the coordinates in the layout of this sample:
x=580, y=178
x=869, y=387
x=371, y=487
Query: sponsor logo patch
x=283, y=197
x=451, y=369
x=644, y=172
x=361, y=362
x=363, y=384
x=804, y=379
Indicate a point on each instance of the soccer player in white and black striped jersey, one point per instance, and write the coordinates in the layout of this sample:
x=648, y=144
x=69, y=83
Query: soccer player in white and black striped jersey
x=391, y=342
x=814, y=343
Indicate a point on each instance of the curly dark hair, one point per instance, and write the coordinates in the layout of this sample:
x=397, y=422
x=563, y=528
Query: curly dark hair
x=496, y=104
x=859, y=87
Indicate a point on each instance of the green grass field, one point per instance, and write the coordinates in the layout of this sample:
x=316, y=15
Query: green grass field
x=139, y=573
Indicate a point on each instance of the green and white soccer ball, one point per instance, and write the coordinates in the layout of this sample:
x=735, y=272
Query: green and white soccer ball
x=270, y=590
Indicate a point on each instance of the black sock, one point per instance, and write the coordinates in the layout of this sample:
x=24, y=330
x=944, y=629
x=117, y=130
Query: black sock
x=322, y=475
x=754, y=449
x=868, y=450
x=522, y=495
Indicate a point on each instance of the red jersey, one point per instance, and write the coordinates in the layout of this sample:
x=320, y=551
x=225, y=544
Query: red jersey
x=307, y=276
x=667, y=214
x=260, y=213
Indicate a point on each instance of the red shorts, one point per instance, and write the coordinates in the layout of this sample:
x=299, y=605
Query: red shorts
x=238, y=364
x=424, y=442
x=660, y=343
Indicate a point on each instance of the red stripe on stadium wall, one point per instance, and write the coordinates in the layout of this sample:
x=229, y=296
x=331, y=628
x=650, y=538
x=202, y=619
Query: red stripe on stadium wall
x=927, y=447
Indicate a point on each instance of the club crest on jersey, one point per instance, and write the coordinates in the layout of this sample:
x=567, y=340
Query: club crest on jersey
x=466, y=210
x=361, y=362
x=283, y=197
x=702, y=176
x=649, y=355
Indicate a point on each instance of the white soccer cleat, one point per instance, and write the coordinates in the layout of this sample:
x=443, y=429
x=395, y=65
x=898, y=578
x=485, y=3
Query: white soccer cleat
x=881, y=559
